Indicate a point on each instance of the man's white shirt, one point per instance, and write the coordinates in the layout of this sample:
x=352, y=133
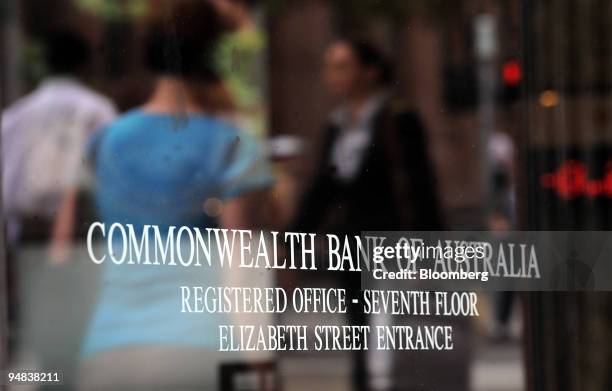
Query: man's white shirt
x=44, y=135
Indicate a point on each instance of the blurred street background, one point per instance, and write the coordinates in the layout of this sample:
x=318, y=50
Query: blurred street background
x=510, y=93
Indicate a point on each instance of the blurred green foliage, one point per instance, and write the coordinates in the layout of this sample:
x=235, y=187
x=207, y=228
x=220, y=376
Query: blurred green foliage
x=238, y=60
x=32, y=67
x=115, y=9
x=355, y=12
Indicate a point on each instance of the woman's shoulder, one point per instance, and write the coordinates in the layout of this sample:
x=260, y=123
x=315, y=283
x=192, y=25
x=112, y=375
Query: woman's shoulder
x=129, y=119
x=221, y=129
x=137, y=126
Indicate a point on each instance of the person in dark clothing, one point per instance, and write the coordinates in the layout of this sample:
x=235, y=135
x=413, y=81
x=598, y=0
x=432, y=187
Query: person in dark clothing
x=374, y=165
x=374, y=172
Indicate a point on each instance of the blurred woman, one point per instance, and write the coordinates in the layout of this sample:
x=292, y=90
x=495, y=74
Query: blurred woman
x=171, y=162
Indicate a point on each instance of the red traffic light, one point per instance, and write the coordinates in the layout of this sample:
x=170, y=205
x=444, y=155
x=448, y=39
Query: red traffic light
x=512, y=73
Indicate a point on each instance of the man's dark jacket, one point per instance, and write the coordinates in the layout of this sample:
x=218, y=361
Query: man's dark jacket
x=395, y=188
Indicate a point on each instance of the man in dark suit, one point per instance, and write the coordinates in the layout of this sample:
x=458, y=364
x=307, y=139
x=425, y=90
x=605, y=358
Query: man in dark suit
x=374, y=173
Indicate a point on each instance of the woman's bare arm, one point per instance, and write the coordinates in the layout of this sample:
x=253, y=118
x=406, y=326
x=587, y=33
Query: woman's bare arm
x=63, y=228
x=254, y=210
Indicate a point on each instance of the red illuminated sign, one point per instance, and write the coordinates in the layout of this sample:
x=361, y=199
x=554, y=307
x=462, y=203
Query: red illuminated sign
x=571, y=180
